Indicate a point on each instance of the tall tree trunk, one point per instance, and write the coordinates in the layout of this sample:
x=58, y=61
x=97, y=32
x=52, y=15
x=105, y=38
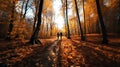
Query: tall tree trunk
x=68, y=29
x=51, y=26
x=47, y=31
x=34, y=39
x=77, y=13
x=11, y=21
x=84, y=19
x=103, y=27
x=51, y=30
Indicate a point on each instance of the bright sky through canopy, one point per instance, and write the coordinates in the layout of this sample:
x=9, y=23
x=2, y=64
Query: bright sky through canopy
x=58, y=17
x=59, y=20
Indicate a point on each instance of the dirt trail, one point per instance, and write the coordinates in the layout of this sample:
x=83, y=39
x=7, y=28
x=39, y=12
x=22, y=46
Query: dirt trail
x=50, y=55
x=66, y=53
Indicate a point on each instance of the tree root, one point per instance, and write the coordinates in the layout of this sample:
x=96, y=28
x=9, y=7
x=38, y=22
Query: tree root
x=35, y=41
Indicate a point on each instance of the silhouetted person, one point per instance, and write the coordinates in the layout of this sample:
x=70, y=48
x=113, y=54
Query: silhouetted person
x=58, y=35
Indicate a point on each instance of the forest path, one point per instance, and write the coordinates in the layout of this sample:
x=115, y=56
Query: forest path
x=62, y=53
x=50, y=55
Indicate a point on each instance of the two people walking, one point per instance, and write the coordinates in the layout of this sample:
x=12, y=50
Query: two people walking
x=59, y=35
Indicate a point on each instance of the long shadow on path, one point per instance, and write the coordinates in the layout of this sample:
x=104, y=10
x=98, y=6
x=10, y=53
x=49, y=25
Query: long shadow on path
x=95, y=56
x=51, y=54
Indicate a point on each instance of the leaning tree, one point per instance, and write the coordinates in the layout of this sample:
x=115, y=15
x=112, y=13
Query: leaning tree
x=34, y=38
x=68, y=29
x=103, y=27
x=77, y=13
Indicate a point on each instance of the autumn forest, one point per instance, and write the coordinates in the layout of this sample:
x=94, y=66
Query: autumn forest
x=59, y=33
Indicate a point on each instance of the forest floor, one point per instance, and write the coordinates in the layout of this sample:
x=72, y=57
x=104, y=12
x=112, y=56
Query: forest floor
x=61, y=53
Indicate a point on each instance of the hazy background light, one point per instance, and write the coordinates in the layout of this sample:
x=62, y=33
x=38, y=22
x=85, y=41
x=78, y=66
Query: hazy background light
x=58, y=16
x=59, y=20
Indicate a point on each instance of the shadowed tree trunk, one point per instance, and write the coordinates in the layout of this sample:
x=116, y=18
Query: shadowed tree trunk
x=103, y=28
x=26, y=9
x=68, y=29
x=47, y=31
x=84, y=19
x=77, y=13
x=34, y=39
x=51, y=26
x=11, y=21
